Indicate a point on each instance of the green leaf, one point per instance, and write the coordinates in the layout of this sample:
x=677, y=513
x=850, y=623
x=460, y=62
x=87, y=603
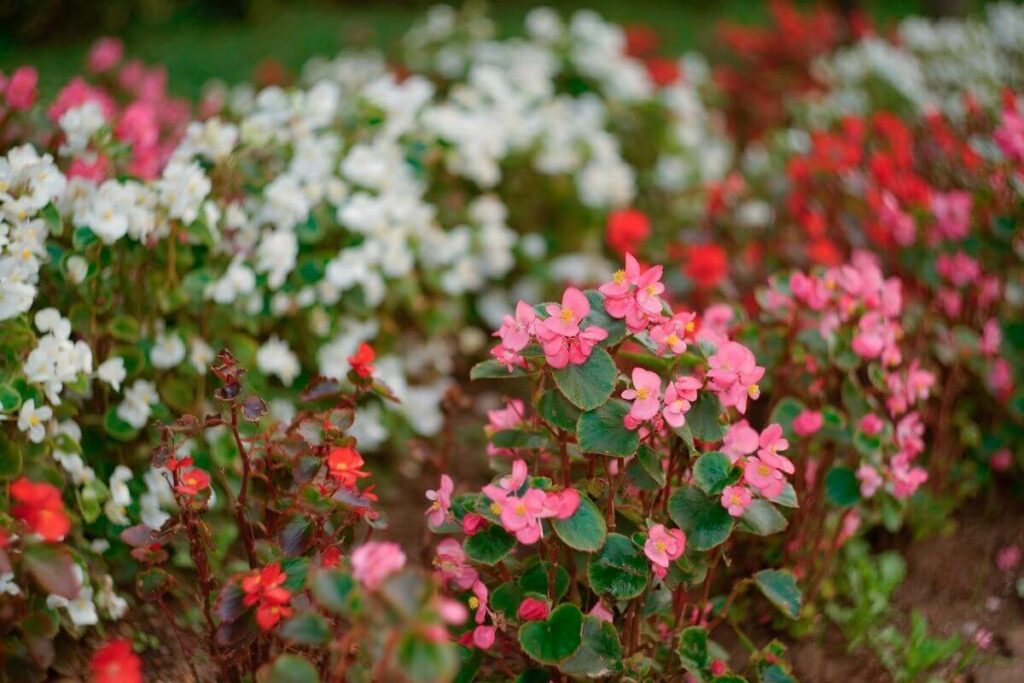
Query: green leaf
x=50, y=564
x=703, y=518
x=556, y=410
x=787, y=498
x=521, y=438
x=785, y=411
x=307, y=628
x=10, y=399
x=841, y=487
x=603, y=431
x=11, y=458
x=124, y=328
x=713, y=472
x=118, y=428
x=693, y=650
x=585, y=530
x=600, y=653
x=489, y=546
x=424, y=660
x=588, y=385
x=536, y=579
x=152, y=583
x=779, y=586
x=556, y=639
x=650, y=461
x=288, y=669
x=505, y=599
x=492, y=369
x=620, y=570
x=703, y=418
x=762, y=518
x=82, y=238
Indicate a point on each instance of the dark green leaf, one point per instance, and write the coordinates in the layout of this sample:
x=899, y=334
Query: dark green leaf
x=556, y=410
x=713, y=472
x=603, y=431
x=841, y=487
x=489, y=546
x=588, y=385
x=703, y=418
x=585, y=530
x=600, y=653
x=779, y=586
x=307, y=628
x=288, y=669
x=556, y=639
x=703, y=518
x=620, y=570
x=762, y=518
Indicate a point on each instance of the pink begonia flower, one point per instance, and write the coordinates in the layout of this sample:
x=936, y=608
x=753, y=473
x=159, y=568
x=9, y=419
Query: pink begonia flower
x=906, y=480
x=581, y=346
x=450, y=560
x=510, y=359
x=952, y=213
x=452, y=612
x=509, y=417
x=983, y=638
x=565, y=318
x=679, y=398
x=849, y=526
x=104, y=55
x=771, y=443
x=21, y=91
x=919, y=382
x=910, y=434
x=870, y=480
x=1001, y=460
x=959, y=268
x=989, y=288
x=532, y=609
x=483, y=636
x=561, y=504
x=898, y=222
x=768, y=481
x=521, y=515
x=509, y=484
x=663, y=546
x=1009, y=137
x=741, y=439
x=1000, y=378
x=97, y=169
x=76, y=93
x=601, y=612
x=869, y=341
x=810, y=290
x=735, y=499
x=808, y=422
x=516, y=330
x=991, y=337
x=472, y=523
x=871, y=424
x=648, y=287
x=733, y=374
x=1008, y=558
x=138, y=125
x=671, y=335
x=951, y=301
x=374, y=561
x=618, y=297
x=441, y=499
x=645, y=394
x=478, y=601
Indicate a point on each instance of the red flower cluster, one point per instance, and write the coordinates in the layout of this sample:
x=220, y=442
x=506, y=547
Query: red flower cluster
x=627, y=230
x=116, y=663
x=41, y=508
x=362, y=361
x=343, y=463
x=265, y=588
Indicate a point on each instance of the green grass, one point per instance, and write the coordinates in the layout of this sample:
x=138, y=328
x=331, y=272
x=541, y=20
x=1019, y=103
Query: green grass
x=196, y=49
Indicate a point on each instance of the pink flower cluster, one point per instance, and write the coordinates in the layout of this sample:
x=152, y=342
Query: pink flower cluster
x=375, y=561
x=764, y=468
x=560, y=335
x=647, y=400
x=454, y=569
x=664, y=546
x=633, y=296
x=521, y=511
x=509, y=417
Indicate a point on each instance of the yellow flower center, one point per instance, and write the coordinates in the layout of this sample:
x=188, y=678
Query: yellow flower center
x=474, y=602
x=753, y=391
x=652, y=290
x=764, y=470
x=619, y=277
x=34, y=420
x=520, y=509
x=735, y=499
x=642, y=393
x=690, y=327
x=660, y=545
x=672, y=340
x=566, y=315
x=495, y=508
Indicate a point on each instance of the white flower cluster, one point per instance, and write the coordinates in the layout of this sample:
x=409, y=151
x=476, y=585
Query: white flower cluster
x=930, y=65
x=28, y=183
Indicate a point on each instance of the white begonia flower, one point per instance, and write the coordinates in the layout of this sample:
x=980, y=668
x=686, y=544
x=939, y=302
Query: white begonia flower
x=112, y=372
x=182, y=189
x=168, y=351
x=135, y=409
x=120, y=497
x=33, y=420
x=81, y=609
x=79, y=125
x=7, y=584
x=276, y=358
x=238, y=279
x=99, y=545
x=110, y=602
x=200, y=355
x=77, y=268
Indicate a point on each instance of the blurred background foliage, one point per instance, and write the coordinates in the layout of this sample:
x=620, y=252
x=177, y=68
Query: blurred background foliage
x=228, y=39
